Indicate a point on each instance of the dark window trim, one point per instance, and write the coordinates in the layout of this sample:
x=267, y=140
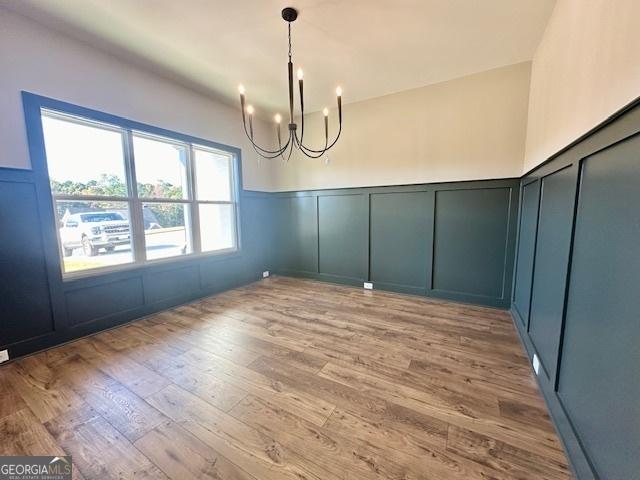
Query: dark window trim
x=33, y=105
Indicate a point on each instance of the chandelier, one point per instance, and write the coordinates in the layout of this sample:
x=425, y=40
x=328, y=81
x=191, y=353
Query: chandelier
x=293, y=141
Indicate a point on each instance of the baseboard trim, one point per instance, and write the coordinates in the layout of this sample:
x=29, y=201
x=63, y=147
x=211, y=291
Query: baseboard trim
x=395, y=288
x=57, y=338
x=578, y=459
x=322, y=277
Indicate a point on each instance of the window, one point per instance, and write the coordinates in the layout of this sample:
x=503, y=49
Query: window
x=215, y=199
x=123, y=196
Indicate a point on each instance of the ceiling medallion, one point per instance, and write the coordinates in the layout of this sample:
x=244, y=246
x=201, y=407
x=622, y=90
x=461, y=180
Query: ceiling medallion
x=293, y=141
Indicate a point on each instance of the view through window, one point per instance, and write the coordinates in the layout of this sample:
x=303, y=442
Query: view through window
x=125, y=197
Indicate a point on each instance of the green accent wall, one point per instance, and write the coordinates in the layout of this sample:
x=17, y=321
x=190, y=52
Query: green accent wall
x=576, y=298
x=447, y=240
x=599, y=378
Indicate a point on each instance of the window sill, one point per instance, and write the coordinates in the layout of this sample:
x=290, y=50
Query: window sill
x=107, y=274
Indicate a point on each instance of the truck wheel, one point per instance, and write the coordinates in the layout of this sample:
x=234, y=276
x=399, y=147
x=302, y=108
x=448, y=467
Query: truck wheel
x=67, y=251
x=88, y=248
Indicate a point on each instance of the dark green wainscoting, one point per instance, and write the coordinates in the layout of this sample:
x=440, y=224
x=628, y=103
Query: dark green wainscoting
x=37, y=313
x=576, y=298
x=447, y=240
x=40, y=309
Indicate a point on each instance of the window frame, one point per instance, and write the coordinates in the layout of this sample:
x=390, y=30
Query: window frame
x=36, y=106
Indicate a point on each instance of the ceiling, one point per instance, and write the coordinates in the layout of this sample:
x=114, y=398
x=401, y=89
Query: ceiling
x=369, y=47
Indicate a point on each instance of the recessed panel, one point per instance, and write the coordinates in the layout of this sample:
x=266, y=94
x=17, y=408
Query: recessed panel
x=470, y=241
x=222, y=273
x=550, y=266
x=401, y=226
x=343, y=236
x=298, y=234
x=526, y=249
x=600, y=370
x=171, y=283
x=24, y=292
x=91, y=303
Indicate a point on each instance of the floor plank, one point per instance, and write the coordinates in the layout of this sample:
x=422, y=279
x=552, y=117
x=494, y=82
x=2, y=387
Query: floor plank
x=98, y=449
x=289, y=379
x=182, y=456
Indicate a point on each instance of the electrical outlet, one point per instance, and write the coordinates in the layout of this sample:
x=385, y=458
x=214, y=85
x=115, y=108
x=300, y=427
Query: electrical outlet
x=4, y=355
x=265, y=274
x=536, y=364
x=368, y=286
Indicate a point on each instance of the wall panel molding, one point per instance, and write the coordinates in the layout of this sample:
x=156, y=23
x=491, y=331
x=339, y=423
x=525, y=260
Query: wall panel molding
x=551, y=263
x=586, y=241
x=29, y=322
x=386, y=235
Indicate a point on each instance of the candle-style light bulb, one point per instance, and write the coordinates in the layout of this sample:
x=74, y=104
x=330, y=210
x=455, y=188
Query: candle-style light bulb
x=250, y=109
x=242, y=100
x=301, y=90
x=339, y=96
x=278, y=118
x=325, y=111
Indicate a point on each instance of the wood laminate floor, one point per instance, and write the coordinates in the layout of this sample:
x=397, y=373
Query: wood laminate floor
x=289, y=379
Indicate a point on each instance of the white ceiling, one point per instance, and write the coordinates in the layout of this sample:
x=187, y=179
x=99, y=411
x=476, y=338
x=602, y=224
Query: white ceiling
x=369, y=47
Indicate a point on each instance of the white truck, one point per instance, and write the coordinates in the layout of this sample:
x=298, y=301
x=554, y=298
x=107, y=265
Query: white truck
x=92, y=231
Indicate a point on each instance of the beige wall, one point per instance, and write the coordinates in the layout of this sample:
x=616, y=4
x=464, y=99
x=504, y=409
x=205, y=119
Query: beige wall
x=464, y=129
x=586, y=67
x=36, y=59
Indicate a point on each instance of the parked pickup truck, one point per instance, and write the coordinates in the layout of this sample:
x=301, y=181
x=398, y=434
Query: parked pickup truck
x=93, y=231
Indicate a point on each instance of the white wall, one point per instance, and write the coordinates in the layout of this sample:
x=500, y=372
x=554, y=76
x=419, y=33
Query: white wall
x=39, y=60
x=586, y=67
x=465, y=129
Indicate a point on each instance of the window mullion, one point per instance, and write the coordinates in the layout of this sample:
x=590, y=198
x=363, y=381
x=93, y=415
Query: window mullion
x=195, y=211
x=136, y=210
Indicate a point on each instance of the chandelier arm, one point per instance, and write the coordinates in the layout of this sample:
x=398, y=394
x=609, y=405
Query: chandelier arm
x=293, y=141
x=327, y=148
x=269, y=153
x=339, y=129
x=280, y=142
x=311, y=155
x=255, y=145
x=309, y=152
x=276, y=154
